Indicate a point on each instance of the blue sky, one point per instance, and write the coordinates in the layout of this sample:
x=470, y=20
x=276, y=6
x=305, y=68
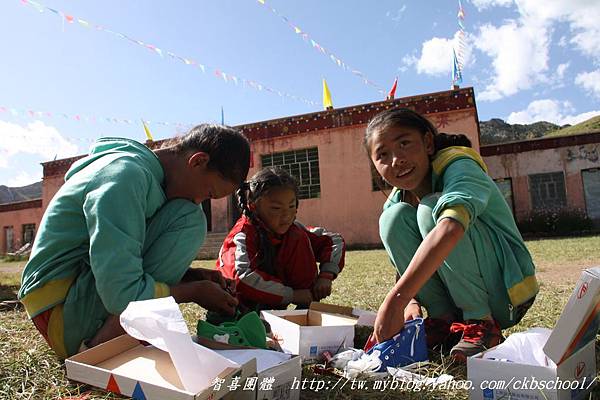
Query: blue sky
x=528, y=60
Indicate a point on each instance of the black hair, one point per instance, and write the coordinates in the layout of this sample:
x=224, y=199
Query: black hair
x=227, y=148
x=260, y=184
x=406, y=117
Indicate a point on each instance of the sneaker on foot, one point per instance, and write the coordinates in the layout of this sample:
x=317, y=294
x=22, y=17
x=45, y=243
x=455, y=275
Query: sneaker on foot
x=439, y=334
x=477, y=336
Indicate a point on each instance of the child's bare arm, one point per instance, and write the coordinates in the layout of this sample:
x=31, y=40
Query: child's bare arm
x=434, y=249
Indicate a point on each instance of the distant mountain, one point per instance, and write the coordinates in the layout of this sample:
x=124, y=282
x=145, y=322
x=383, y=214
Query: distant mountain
x=589, y=126
x=497, y=131
x=13, y=194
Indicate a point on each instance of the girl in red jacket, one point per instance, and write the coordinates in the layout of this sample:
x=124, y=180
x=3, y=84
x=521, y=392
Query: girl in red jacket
x=271, y=256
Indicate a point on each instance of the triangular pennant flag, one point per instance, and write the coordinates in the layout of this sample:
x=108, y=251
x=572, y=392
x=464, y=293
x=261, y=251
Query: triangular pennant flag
x=392, y=92
x=327, y=103
x=456, y=72
x=138, y=393
x=148, y=134
x=112, y=385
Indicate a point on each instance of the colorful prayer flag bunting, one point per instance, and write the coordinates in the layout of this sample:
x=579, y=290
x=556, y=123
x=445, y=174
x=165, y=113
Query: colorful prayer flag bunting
x=156, y=50
x=338, y=61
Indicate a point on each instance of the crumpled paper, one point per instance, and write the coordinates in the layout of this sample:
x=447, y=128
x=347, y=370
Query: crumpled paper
x=523, y=347
x=160, y=323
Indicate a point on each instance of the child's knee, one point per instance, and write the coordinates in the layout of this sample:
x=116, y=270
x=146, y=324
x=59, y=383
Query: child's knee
x=394, y=219
x=425, y=218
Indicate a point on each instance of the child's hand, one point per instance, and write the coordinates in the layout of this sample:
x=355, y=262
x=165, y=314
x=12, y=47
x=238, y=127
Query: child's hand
x=412, y=311
x=207, y=294
x=321, y=288
x=212, y=275
x=302, y=297
x=389, y=321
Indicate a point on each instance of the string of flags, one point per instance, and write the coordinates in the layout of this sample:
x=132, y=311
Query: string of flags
x=217, y=72
x=82, y=118
x=336, y=60
x=458, y=54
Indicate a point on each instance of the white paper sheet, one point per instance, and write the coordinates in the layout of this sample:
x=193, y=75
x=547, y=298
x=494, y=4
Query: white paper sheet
x=159, y=322
x=523, y=347
x=265, y=359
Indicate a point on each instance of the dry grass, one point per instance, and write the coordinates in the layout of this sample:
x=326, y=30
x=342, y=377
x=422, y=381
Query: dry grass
x=29, y=370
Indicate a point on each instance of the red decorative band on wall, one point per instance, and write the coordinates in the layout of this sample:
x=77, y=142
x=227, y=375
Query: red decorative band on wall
x=21, y=205
x=540, y=144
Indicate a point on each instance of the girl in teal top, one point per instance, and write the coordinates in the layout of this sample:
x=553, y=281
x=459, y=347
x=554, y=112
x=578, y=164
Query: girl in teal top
x=125, y=226
x=450, y=235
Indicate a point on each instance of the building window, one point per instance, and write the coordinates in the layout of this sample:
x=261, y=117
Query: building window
x=9, y=239
x=377, y=182
x=591, y=191
x=505, y=186
x=548, y=191
x=28, y=233
x=303, y=165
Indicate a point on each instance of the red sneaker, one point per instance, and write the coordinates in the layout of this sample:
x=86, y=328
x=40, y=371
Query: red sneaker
x=439, y=334
x=477, y=336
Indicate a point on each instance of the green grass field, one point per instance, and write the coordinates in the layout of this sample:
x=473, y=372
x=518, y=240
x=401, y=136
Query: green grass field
x=29, y=370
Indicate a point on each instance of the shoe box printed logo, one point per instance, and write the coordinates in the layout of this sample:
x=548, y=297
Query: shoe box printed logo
x=579, y=370
x=582, y=290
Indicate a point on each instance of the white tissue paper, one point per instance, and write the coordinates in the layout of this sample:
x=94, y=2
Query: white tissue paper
x=265, y=359
x=159, y=322
x=523, y=348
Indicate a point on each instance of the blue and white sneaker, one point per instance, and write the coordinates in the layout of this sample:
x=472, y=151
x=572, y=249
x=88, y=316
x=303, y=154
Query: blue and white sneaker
x=407, y=347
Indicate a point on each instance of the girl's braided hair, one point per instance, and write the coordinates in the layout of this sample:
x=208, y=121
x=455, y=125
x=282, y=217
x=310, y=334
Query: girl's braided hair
x=249, y=192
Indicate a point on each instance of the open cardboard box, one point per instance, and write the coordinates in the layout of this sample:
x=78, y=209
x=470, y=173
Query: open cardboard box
x=571, y=346
x=311, y=332
x=125, y=366
x=282, y=374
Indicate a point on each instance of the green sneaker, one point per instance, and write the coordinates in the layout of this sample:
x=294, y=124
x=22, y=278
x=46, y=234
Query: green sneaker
x=249, y=330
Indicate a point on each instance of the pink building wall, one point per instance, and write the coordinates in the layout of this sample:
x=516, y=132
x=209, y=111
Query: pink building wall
x=16, y=215
x=569, y=154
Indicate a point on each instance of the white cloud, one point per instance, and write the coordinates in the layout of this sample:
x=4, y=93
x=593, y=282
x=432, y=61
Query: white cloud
x=561, y=69
x=35, y=138
x=581, y=15
x=23, y=178
x=436, y=56
x=519, y=55
x=590, y=81
x=557, y=112
x=483, y=4
x=519, y=49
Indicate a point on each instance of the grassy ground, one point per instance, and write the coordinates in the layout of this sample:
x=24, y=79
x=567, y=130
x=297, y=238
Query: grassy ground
x=28, y=369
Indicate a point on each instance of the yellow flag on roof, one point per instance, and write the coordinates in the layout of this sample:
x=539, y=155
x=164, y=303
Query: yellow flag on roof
x=147, y=130
x=326, y=96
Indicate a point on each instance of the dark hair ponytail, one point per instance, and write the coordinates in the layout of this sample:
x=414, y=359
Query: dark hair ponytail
x=249, y=192
x=444, y=140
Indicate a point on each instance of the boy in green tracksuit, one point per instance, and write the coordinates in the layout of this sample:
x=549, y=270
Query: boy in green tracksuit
x=124, y=227
x=450, y=235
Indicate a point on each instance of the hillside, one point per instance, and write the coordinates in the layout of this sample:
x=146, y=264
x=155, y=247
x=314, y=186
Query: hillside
x=13, y=194
x=591, y=125
x=497, y=131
